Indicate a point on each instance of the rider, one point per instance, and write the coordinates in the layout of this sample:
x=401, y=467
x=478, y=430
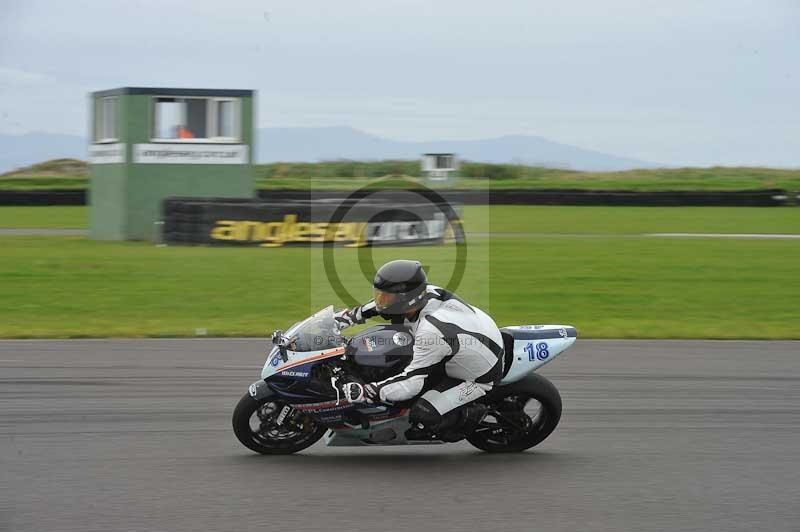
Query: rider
x=458, y=352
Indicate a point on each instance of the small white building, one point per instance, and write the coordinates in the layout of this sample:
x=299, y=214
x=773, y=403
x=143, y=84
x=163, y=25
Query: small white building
x=439, y=166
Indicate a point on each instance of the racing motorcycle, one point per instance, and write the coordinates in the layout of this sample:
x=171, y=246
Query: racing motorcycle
x=297, y=401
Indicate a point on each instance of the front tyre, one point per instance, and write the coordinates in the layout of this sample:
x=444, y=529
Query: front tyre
x=270, y=426
x=520, y=416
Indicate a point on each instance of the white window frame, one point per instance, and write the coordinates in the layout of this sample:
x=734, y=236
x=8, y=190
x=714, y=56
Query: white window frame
x=211, y=121
x=100, y=121
x=213, y=105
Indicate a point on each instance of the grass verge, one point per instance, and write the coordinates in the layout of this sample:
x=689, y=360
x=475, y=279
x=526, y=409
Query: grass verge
x=44, y=217
x=607, y=287
x=530, y=219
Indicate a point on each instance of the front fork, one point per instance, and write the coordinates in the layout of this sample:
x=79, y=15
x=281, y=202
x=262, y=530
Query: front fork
x=260, y=390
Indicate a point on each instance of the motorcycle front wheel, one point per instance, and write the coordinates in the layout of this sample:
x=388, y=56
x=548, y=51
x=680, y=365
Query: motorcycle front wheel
x=520, y=416
x=271, y=426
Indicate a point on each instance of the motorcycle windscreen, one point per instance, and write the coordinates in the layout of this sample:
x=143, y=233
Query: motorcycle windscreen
x=316, y=332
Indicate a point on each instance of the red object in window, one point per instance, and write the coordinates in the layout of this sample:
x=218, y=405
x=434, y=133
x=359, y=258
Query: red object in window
x=184, y=133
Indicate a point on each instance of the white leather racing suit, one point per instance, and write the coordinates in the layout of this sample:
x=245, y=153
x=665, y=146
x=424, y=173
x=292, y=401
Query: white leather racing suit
x=449, y=335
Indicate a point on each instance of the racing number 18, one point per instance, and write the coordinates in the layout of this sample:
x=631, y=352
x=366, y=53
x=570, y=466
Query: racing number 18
x=539, y=351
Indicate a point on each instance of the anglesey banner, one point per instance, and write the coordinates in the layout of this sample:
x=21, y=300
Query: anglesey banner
x=257, y=223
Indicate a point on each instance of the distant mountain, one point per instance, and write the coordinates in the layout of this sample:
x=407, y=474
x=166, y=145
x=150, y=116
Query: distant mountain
x=330, y=143
x=23, y=150
x=316, y=144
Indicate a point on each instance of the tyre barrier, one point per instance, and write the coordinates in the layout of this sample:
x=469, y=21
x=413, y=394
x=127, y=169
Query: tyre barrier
x=758, y=198
x=755, y=198
x=43, y=198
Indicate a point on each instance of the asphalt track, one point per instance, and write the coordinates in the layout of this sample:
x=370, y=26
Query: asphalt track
x=135, y=435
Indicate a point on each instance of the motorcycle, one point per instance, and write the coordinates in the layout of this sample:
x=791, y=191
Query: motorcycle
x=297, y=402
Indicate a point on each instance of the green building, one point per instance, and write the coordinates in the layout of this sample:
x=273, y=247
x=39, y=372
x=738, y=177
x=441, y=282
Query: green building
x=152, y=143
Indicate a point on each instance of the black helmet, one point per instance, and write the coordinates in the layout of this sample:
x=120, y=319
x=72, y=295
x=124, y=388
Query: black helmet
x=399, y=287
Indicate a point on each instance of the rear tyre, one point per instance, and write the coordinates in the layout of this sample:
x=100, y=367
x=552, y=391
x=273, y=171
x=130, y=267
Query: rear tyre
x=266, y=427
x=521, y=415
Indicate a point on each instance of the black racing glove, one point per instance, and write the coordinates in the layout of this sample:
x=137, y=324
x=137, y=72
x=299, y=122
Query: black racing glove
x=355, y=392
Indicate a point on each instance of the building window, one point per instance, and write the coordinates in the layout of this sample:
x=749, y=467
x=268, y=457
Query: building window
x=105, y=120
x=196, y=119
x=444, y=161
x=226, y=119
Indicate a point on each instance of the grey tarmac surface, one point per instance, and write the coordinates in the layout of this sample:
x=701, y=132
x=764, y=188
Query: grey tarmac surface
x=134, y=435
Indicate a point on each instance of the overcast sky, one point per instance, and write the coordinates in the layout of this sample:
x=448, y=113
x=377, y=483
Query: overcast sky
x=679, y=82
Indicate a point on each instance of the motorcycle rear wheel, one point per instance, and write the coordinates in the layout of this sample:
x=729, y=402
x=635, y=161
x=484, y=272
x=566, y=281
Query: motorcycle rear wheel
x=255, y=423
x=520, y=416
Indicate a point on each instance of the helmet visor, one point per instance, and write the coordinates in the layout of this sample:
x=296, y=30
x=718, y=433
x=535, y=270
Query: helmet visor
x=384, y=300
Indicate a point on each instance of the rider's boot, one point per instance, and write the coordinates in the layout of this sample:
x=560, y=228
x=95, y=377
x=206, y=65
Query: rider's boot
x=472, y=417
x=419, y=432
x=469, y=418
x=452, y=427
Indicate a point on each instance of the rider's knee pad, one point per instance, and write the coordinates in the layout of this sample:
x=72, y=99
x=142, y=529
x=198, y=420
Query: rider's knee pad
x=424, y=412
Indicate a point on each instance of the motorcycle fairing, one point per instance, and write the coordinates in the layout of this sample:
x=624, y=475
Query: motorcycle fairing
x=342, y=415
x=388, y=431
x=533, y=346
x=274, y=365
